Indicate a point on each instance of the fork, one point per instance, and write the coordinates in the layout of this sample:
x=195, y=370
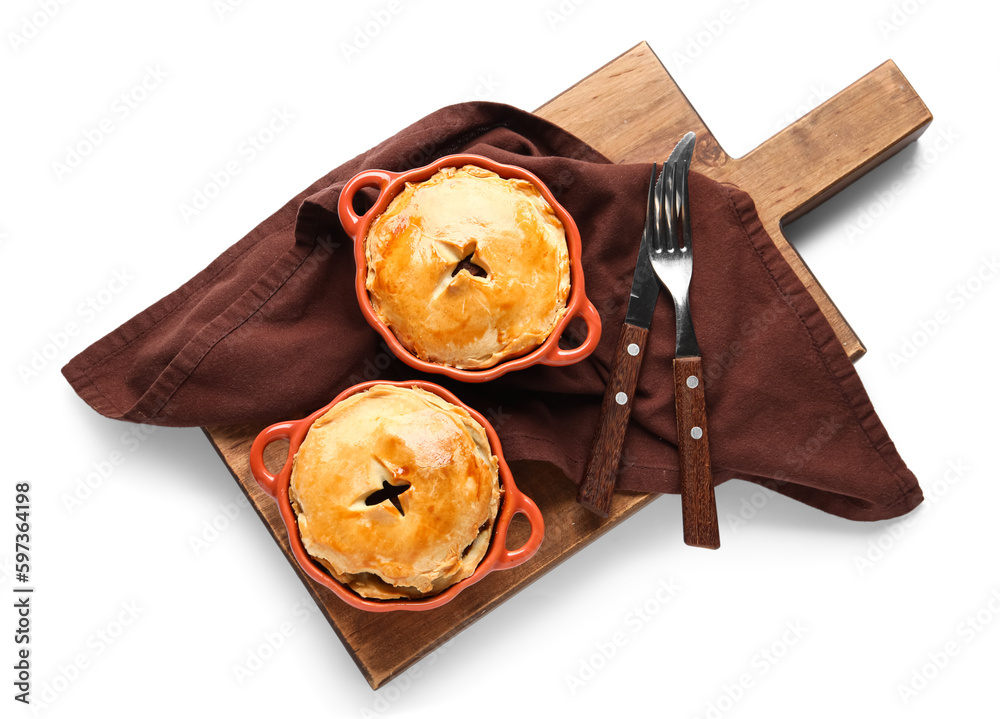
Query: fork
x=672, y=261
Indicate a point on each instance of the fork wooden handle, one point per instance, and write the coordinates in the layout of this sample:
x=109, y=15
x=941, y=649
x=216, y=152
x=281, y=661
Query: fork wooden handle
x=602, y=468
x=701, y=520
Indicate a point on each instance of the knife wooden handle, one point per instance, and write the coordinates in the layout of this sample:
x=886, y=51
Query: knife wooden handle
x=602, y=468
x=701, y=520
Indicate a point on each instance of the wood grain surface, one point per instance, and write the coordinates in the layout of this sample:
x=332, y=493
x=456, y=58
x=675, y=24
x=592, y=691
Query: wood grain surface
x=598, y=483
x=698, y=513
x=804, y=164
x=632, y=111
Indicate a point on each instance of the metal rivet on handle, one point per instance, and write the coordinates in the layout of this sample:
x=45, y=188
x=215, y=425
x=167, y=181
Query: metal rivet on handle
x=621, y=398
x=696, y=432
x=633, y=349
x=692, y=382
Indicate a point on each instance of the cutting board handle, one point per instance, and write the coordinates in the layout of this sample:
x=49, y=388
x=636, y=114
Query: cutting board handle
x=631, y=110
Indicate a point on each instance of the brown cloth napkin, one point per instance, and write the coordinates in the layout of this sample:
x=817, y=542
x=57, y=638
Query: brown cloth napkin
x=271, y=330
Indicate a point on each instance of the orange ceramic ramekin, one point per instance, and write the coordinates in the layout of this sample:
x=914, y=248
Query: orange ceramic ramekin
x=390, y=184
x=497, y=556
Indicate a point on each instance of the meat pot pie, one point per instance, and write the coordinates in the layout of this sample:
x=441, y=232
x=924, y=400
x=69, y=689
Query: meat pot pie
x=468, y=268
x=396, y=491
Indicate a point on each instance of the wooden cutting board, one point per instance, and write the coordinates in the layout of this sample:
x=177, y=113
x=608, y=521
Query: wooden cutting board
x=632, y=111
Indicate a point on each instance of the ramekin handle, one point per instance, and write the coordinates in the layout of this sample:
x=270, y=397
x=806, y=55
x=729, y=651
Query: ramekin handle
x=557, y=356
x=345, y=205
x=266, y=480
x=511, y=558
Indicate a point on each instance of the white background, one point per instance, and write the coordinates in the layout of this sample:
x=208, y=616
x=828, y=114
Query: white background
x=873, y=604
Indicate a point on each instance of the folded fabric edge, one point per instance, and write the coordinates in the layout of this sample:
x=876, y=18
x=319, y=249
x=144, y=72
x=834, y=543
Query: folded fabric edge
x=649, y=480
x=841, y=370
x=80, y=370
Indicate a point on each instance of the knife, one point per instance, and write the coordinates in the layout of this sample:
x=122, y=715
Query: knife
x=602, y=468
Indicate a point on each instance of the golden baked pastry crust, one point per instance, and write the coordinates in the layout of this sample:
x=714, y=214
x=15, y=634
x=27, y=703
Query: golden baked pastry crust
x=439, y=309
x=400, y=436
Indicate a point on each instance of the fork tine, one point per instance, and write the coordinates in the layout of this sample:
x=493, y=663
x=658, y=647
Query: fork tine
x=652, y=187
x=651, y=206
x=669, y=207
x=684, y=206
x=658, y=237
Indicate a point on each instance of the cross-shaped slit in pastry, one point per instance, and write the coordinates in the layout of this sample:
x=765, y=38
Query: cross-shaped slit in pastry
x=459, y=257
x=382, y=470
x=470, y=266
x=389, y=492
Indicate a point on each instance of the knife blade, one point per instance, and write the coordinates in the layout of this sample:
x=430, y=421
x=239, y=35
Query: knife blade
x=598, y=483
